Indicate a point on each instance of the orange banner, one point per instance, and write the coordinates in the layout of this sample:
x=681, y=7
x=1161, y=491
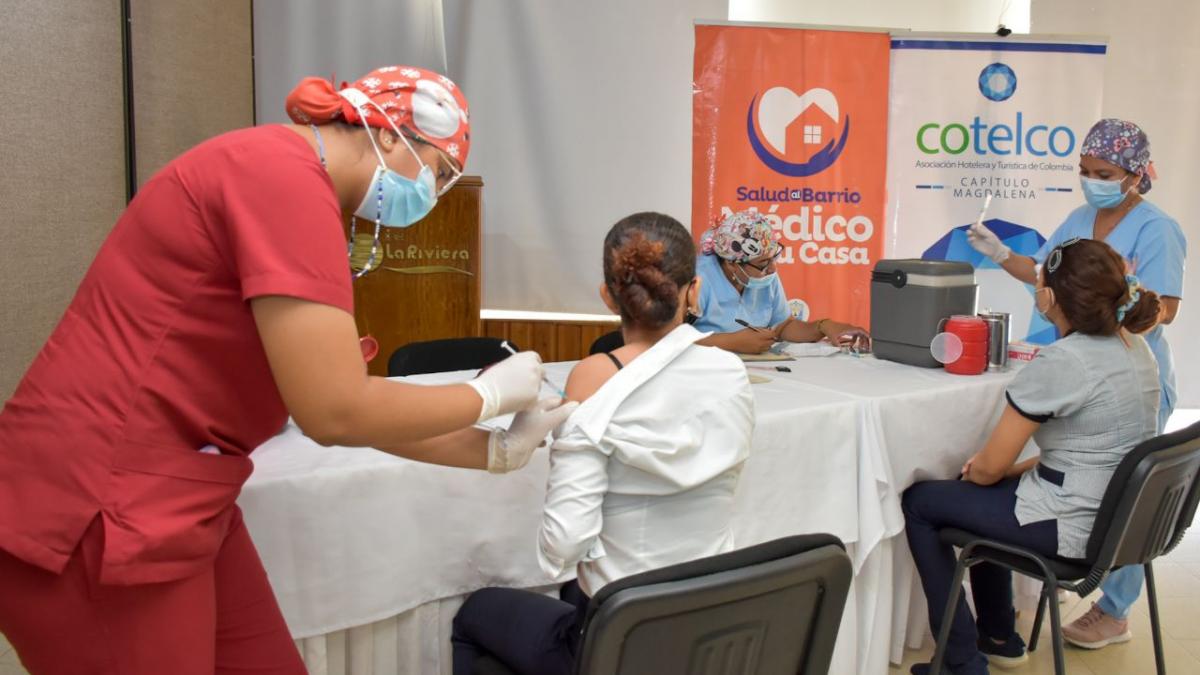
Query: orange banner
x=793, y=123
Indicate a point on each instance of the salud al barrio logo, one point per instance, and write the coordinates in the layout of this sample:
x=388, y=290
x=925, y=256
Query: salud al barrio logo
x=997, y=82
x=785, y=127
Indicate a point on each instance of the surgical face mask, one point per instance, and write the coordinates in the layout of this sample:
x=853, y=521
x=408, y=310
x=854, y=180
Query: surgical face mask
x=765, y=281
x=395, y=200
x=392, y=200
x=748, y=282
x=1103, y=194
x=1037, y=302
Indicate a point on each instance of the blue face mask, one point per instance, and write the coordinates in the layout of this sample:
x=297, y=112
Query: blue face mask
x=1102, y=194
x=392, y=200
x=765, y=281
x=397, y=200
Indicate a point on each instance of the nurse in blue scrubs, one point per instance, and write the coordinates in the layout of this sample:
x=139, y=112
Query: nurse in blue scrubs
x=1115, y=171
x=742, y=301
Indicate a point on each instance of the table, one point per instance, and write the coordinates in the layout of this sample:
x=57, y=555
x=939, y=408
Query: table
x=370, y=555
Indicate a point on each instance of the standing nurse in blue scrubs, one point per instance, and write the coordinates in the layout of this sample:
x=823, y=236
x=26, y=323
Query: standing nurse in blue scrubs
x=742, y=301
x=1115, y=171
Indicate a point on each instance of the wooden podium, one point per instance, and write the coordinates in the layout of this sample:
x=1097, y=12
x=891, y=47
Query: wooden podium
x=426, y=281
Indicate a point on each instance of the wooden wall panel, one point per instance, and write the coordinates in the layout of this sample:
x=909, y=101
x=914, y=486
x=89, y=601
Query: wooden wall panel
x=496, y=329
x=554, y=340
x=521, y=333
x=193, y=75
x=567, y=336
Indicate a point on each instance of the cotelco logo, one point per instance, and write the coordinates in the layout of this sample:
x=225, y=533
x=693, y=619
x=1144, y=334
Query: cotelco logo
x=790, y=124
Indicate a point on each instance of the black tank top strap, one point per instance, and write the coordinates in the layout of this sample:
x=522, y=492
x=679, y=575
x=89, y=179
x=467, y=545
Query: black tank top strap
x=615, y=360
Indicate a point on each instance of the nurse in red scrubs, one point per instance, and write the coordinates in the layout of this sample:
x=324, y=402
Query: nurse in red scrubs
x=219, y=305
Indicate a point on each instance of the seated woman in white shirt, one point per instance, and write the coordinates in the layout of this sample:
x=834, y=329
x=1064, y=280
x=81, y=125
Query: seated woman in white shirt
x=1086, y=400
x=643, y=474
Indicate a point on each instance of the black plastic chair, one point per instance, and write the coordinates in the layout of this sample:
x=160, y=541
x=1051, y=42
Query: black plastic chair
x=771, y=609
x=439, y=356
x=1149, y=504
x=607, y=343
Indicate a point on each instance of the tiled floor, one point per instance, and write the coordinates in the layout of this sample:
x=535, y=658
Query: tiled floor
x=9, y=665
x=1178, y=577
x=1178, y=580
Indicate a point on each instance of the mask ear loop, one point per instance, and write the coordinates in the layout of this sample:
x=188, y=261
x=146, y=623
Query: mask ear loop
x=360, y=101
x=403, y=139
x=396, y=130
x=370, y=264
x=1052, y=299
x=740, y=274
x=425, y=168
x=1137, y=181
x=353, y=220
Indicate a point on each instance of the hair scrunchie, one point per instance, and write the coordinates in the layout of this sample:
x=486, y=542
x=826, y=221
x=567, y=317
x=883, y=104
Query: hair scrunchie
x=1135, y=294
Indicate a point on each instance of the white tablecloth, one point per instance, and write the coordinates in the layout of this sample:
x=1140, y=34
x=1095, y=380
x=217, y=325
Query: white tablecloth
x=370, y=554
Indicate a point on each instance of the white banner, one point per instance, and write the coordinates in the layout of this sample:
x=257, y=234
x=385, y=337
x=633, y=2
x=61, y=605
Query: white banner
x=971, y=118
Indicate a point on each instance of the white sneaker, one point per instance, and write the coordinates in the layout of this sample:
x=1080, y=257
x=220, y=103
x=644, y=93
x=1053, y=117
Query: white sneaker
x=1097, y=629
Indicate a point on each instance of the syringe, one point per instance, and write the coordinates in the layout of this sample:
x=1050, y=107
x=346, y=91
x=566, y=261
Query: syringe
x=545, y=379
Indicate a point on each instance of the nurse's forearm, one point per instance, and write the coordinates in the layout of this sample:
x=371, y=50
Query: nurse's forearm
x=800, y=331
x=318, y=367
x=1022, y=267
x=466, y=448
x=383, y=413
x=1170, y=310
x=725, y=341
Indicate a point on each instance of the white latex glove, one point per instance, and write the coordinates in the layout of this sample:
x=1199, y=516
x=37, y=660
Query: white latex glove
x=510, y=449
x=510, y=385
x=986, y=242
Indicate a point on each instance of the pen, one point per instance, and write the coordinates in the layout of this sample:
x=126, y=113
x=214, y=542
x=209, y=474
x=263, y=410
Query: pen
x=743, y=323
x=507, y=347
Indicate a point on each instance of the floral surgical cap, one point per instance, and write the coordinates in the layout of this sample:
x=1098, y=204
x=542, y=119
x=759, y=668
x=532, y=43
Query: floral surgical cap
x=741, y=237
x=1123, y=144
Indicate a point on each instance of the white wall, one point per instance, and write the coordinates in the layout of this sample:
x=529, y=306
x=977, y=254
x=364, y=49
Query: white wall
x=347, y=39
x=1152, y=77
x=979, y=16
x=581, y=114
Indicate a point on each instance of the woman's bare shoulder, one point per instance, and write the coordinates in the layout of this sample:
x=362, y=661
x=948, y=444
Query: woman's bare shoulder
x=588, y=376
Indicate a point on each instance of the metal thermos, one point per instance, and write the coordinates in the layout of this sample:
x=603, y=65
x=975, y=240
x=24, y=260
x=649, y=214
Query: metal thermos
x=997, y=339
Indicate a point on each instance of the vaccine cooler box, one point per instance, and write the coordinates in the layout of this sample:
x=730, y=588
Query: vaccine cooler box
x=910, y=298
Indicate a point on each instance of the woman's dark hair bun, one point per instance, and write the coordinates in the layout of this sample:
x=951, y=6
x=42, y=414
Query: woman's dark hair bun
x=648, y=258
x=1144, y=314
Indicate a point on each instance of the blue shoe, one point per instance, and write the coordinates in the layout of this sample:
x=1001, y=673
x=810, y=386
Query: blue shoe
x=976, y=666
x=1007, y=654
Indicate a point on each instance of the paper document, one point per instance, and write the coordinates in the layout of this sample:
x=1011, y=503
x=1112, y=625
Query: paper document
x=767, y=356
x=807, y=349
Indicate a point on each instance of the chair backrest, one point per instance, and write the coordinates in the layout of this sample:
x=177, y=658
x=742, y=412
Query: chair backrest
x=439, y=356
x=1150, y=499
x=771, y=609
x=1186, y=515
x=607, y=342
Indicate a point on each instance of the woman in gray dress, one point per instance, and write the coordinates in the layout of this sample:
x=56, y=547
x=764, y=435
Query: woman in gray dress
x=1086, y=400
